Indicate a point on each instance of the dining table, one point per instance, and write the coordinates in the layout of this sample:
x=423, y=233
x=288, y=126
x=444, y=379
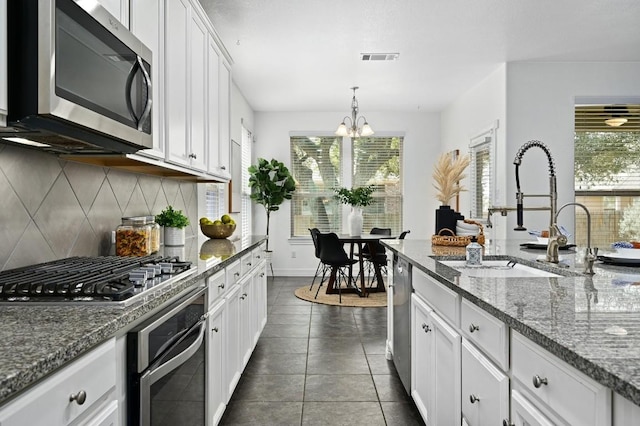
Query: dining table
x=360, y=241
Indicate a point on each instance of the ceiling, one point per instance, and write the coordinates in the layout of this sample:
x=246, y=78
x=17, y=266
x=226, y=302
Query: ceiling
x=304, y=55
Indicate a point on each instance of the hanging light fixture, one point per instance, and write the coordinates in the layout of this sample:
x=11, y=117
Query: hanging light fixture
x=354, y=131
x=617, y=112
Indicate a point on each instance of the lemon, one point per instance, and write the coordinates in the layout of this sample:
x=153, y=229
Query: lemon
x=226, y=218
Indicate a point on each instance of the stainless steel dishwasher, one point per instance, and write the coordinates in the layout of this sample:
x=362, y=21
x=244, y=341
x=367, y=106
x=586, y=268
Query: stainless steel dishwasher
x=402, y=290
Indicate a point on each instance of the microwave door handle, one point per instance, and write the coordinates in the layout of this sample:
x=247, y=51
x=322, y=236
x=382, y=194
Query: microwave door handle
x=127, y=94
x=147, y=105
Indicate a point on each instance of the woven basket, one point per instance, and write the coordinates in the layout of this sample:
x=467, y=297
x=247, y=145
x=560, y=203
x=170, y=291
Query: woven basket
x=453, y=239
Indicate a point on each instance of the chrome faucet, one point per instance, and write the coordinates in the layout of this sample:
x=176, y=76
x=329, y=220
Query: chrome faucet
x=553, y=196
x=558, y=240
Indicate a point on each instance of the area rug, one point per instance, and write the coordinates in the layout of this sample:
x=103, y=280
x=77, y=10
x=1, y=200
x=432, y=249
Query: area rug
x=374, y=300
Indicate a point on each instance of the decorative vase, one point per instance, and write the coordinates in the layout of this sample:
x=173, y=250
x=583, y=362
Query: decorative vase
x=173, y=236
x=446, y=217
x=355, y=221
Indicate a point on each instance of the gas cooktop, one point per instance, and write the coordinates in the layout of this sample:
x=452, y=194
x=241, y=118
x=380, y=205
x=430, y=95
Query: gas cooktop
x=112, y=280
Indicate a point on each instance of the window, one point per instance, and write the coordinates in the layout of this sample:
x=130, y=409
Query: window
x=482, y=173
x=318, y=167
x=377, y=161
x=607, y=176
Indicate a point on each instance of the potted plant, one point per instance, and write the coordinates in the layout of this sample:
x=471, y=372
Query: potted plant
x=270, y=183
x=447, y=174
x=174, y=222
x=357, y=198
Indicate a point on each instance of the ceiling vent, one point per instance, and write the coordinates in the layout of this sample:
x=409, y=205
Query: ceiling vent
x=379, y=56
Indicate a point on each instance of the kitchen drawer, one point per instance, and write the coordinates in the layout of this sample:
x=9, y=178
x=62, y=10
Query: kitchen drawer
x=258, y=255
x=49, y=403
x=489, y=333
x=445, y=301
x=578, y=399
x=217, y=285
x=247, y=263
x=233, y=272
x=485, y=389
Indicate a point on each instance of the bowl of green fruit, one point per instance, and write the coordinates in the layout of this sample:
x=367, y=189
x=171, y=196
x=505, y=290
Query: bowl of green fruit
x=219, y=228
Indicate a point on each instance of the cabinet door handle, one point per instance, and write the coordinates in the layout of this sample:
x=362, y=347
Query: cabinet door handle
x=215, y=329
x=262, y=275
x=248, y=263
x=473, y=328
x=244, y=296
x=192, y=155
x=79, y=397
x=223, y=167
x=506, y=422
x=221, y=285
x=426, y=328
x=538, y=381
x=258, y=256
x=237, y=274
x=473, y=398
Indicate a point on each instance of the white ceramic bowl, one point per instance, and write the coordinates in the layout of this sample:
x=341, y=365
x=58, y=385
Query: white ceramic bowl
x=541, y=240
x=631, y=253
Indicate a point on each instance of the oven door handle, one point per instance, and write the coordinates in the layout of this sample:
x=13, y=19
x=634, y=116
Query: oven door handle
x=157, y=370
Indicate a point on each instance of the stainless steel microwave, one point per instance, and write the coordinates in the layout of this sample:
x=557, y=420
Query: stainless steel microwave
x=79, y=81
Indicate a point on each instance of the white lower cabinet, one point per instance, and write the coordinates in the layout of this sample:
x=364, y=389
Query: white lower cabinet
x=524, y=413
x=82, y=393
x=485, y=389
x=232, y=354
x=247, y=319
x=216, y=401
x=435, y=366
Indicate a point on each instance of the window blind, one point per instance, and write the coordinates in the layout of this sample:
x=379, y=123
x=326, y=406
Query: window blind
x=316, y=164
x=481, y=177
x=245, y=215
x=377, y=161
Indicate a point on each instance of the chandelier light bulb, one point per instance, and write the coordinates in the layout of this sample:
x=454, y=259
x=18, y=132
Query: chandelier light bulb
x=352, y=130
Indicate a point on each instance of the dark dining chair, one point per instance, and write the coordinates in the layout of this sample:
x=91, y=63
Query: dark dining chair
x=403, y=234
x=321, y=266
x=378, y=256
x=334, y=258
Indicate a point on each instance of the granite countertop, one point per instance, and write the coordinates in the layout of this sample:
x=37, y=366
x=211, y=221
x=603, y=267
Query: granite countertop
x=37, y=340
x=571, y=316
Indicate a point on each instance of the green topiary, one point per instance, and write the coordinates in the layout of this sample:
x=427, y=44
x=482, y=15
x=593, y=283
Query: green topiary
x=170, y=218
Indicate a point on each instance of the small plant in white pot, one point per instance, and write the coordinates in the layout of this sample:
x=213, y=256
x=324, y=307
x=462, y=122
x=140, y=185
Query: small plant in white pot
x=174, y=222
x=357, y=198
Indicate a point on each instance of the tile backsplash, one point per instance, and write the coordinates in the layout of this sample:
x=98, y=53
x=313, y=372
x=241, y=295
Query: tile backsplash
x=52, y=208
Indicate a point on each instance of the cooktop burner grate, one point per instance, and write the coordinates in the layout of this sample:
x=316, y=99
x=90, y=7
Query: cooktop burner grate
x=89, y=278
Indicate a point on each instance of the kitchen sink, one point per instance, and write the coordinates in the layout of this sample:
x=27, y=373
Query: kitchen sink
x=503, y=268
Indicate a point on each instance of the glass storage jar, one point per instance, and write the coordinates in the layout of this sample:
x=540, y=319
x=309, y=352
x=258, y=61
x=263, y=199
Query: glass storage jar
x=133, y=237
x=155, y=234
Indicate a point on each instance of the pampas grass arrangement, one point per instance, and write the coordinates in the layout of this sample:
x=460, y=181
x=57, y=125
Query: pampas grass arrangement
x=447, y=175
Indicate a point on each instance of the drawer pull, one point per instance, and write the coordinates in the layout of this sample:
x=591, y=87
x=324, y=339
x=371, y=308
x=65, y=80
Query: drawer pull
x=244, y=296
x=473, y=398
x=248, y=263
x=426, y=328
x=538, y=381
x=262, y=275
x=79, y=397
x=237, y=274
x=215, y=329
x=506, y=422
x=221, y=285
x=258, y=256
x=473, y=328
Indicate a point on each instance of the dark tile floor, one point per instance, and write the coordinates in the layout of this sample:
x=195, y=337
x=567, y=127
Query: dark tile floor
x=319, y=365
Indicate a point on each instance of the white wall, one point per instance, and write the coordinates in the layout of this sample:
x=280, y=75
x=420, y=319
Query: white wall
x=241, y=113
x=540, y=106
x=421, y=143
x=473, y=113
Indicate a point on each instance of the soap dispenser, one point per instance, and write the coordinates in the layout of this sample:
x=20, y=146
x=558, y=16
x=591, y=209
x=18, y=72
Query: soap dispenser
x=474, y=253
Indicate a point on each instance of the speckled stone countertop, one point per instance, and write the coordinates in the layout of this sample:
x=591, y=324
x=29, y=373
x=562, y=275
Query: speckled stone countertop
x=37, y=340
x=567, y=316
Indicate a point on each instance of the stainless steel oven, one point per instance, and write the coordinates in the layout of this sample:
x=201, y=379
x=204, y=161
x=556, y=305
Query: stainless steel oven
x=79, y=80
x=166, y=365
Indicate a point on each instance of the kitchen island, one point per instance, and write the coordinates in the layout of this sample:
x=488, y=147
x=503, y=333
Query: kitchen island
x=38, y=340
x=590, y=322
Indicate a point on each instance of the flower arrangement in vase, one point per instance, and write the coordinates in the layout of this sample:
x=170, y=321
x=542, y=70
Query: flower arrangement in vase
x=447, y=174
x=357, y=198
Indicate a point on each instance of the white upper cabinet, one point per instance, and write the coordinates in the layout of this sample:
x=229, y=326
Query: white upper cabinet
x=147, y=23
x=213, y=93
x=225, y=119
x=198, y=41
x=3, y=63
x=119, y=9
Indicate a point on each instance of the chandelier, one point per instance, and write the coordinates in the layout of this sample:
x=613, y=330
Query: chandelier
x=354, y=131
